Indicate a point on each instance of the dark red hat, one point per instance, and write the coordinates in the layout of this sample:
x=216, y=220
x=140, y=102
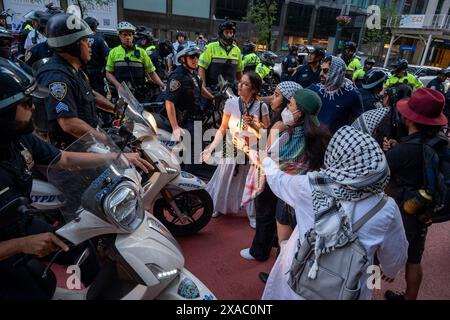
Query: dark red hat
x=424, y=107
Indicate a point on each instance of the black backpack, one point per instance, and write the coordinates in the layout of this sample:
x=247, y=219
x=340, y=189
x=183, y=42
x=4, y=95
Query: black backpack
x=436, y=160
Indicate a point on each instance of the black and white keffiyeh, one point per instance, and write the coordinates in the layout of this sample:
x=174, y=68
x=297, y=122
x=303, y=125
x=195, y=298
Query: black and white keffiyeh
x=288, y=88
x=369, y=121
x=336, y=83
x=355, y=169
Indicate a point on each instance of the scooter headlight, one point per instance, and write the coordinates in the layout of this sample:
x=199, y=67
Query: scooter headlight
x=124, y=207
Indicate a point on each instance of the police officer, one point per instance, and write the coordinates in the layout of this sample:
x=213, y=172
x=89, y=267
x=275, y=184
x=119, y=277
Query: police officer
x=372, y=85
x=401, y=75
x=100, y=50
x=36, y=36
x=3, y=17
x=6, y=38
x=71, y=104
x=351, y=60
x=222, y=57
x=131, y=64
x=264, y=68
x=289, y=63
x=184, y=90
x=20, y=151
x=309, y=73
x=41, y=50
x=359, y=74
x=148, y=43
x=251, y=59
x=438, y=82
x=27, y=27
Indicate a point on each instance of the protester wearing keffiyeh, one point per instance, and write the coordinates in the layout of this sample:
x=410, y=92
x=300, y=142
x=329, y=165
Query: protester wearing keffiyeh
x=341, y=101
x=355, y=169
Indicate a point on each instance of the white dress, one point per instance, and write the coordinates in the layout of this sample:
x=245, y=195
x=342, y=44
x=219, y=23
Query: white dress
x=226, y=188
x=384, y=234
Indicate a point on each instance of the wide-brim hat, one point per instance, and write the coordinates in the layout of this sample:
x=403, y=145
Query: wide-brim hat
x=424, y=107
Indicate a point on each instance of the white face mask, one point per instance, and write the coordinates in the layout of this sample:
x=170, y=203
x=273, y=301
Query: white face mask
x=288, y=117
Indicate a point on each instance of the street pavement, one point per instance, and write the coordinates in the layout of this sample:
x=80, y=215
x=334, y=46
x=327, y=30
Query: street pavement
x=213, y=256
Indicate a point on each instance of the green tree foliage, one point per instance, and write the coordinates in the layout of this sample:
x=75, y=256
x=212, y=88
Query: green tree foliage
x=263, y=14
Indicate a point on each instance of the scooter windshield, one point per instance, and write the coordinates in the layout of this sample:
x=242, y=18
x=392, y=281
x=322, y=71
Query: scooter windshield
x=135, y=111
x=98, y=169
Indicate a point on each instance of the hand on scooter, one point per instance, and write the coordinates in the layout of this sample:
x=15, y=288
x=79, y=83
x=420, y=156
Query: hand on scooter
x=177, y=133
x=41, y=245
x=138, y=162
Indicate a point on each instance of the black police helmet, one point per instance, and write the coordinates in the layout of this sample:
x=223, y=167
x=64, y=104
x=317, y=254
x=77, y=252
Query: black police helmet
x=370, y=61
x=17, y=86
x=350, y=45
x=373, y=78
x=248, y=48
x=64, y=32
x=293, y=48
x=400, y=65
x=92, y=22
x=318, y=52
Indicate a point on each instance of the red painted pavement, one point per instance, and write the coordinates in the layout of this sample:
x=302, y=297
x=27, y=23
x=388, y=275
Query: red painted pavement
x=213, y=256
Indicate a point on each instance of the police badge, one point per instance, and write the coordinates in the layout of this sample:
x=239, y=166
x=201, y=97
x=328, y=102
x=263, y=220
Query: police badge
x=58, y=90
x=174, y=85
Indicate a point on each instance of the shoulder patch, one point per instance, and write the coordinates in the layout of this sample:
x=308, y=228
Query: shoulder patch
x=60, y=107
x=58, y=90
x=174, y=85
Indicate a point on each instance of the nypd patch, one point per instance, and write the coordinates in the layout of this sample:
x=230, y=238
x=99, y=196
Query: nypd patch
x=174, y=85
x=58, y=90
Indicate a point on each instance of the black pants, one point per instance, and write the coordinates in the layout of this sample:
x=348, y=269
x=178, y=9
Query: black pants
x=19, y=282
x=265, y=206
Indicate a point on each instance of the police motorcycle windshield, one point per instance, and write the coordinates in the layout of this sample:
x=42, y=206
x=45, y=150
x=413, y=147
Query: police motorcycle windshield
x=135, y=111
x=109, y=187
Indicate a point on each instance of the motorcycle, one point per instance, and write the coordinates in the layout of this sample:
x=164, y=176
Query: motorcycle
x=175, y=197
x=140, y=258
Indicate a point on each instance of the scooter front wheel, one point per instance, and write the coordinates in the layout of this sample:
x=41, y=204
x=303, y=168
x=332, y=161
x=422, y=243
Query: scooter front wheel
x=198, y=207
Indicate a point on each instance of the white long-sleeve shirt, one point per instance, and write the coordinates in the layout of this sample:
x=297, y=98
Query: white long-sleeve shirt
x=384, y=234
x=29, y=41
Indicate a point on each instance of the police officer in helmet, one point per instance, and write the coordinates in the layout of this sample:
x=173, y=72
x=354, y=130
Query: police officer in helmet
x=183, y=98
x=289, y=63
x=131, y=64
x=351, y=60
x=41, y=50
x=251, y=59
x=221, y=58
x=372, y=86
x=359, y=74
x=20, y=151
x=400, y=75
x=71, y=104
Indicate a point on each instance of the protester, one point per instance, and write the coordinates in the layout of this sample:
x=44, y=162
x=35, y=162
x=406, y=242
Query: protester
x=341, y=101
x=227, y=184
x=351, y=184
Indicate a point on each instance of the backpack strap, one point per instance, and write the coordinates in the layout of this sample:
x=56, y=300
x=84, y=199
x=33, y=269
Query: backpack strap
x=369, y=215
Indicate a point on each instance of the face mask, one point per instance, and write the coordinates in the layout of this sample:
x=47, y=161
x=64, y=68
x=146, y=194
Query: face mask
x=288, y=117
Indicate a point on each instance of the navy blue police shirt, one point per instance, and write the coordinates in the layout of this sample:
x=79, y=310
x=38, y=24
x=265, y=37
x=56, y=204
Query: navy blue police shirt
x=18, y=161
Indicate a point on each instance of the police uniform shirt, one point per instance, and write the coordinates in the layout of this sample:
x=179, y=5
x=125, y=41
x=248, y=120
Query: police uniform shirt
x=34, y=36
x=436, y=84
x=305, y=76
x=290, y=61
x=184, y=90
x=216, y=60
x=71, y=96
x=407, y=78
x=120, y=55
x=100, y=52
x=38, y=52
x=17, y=164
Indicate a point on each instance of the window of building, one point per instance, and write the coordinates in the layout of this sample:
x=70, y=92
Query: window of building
x=146, y=5
x=192, y=8
x=233, y=9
